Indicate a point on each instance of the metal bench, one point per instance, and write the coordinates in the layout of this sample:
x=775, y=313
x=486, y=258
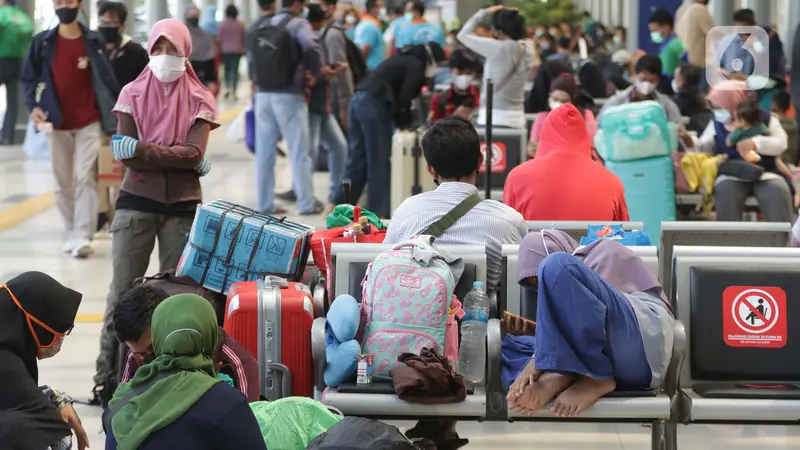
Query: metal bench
x=695, y=407
x=715, y=234
x=378, y=400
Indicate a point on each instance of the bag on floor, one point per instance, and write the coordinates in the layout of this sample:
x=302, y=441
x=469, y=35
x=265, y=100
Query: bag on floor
x=358, y=433
x=634, y=131
x=408, y=292
x=293, y=422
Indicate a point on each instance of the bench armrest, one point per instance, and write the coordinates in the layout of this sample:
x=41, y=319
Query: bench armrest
x=672, y=381
x=494, y=355
x=319, y=298
x=496, y=406
x=318, y=351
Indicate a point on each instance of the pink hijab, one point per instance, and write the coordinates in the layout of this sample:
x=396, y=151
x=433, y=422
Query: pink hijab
x=728, y=95
x=164, y=113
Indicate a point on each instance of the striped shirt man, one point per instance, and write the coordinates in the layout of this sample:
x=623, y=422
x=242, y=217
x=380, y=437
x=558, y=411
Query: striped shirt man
x=236, y=361
x=491, y=223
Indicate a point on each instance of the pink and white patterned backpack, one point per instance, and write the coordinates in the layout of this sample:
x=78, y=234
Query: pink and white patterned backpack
x=409, y=303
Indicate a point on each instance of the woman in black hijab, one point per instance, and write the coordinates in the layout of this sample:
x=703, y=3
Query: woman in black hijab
x=537, y=100
x=36, y=314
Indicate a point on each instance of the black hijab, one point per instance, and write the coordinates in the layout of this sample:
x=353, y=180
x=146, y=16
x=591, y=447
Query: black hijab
x=27, y=418
x=536, y=101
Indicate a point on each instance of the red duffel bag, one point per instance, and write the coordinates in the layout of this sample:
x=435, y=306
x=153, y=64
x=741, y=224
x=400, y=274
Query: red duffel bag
x=321, y=248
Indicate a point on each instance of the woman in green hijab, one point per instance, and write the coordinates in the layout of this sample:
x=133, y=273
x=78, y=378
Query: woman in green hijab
x=176, y=401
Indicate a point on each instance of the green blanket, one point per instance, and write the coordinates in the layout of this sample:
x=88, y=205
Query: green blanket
x=342, y=216
x=291, y=423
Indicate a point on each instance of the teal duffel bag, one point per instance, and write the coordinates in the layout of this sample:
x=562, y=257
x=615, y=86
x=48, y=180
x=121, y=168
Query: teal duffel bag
x=634, y=131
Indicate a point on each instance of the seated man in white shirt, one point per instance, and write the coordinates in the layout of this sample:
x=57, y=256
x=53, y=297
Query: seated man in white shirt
x=452, y=150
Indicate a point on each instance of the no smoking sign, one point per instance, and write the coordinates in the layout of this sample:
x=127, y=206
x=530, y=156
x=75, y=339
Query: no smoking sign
x=754, y=316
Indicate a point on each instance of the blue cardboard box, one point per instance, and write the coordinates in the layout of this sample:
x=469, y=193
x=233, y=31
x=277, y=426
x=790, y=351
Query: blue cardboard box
x=229, y=243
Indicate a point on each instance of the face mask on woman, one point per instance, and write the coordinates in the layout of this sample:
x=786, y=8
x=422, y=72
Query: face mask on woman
x=462, y=82
x=350, y=19
x=555, y=104
x=167, y=68
x=722, y=115
x=645, y=87
x=408, y=16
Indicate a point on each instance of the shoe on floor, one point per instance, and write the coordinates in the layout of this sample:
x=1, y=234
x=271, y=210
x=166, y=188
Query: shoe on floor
x=67, y=248
x=287, y=196
x=82, y=250
x=319, y=207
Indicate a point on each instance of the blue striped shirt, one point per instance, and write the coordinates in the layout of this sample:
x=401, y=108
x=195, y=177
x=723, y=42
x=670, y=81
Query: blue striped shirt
x=491, y=223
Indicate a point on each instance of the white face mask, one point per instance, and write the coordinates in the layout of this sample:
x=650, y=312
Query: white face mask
x=350, y=19
x=167, y=68
x=462, y=82
x=431, y=70
x=722, y=115
x=675, y=87
x=645, y=87
x=554, y=104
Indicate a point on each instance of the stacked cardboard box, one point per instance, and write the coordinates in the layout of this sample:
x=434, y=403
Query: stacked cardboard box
x=229, y=243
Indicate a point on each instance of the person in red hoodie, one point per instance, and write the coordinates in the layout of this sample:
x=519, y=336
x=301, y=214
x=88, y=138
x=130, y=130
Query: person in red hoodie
x=562, y=182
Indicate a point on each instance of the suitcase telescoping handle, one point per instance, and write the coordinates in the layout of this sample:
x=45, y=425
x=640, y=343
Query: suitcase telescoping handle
x=272, y=280
x=286, y=379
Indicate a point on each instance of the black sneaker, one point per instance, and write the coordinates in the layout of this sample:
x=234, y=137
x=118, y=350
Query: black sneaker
x=287, y=196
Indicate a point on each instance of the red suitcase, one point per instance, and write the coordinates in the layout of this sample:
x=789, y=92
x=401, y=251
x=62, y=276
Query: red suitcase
x=272, y=319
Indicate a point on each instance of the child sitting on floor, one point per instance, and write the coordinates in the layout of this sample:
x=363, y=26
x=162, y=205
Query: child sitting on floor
x=749, y=124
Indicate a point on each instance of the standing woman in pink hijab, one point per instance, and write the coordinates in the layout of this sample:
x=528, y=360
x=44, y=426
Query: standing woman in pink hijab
x=164, y=120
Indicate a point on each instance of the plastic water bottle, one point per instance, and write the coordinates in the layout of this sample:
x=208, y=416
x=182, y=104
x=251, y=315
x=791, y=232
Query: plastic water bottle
x=472, y=354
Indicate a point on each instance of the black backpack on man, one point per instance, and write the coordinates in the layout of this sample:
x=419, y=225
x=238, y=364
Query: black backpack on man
x=275, y=54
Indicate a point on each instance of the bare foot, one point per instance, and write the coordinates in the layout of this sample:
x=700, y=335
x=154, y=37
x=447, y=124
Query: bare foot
x=580, y=396
x=528, y=375
x=540, y=392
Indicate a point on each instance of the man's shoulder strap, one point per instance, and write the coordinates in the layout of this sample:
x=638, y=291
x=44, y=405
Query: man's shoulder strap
x=438, y=228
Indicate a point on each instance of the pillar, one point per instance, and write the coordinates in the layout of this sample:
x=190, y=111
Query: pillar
x=596, y=9
x=156, y=10
x=616, y=13
x=631, y=21
x=244, y=9
x=792, y=13
x=722, y=11
x=130, y=5
x=762, y=8
x=29, y=6
x=180, y=9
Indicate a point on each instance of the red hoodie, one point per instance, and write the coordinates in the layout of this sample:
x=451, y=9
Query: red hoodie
x=562, y=182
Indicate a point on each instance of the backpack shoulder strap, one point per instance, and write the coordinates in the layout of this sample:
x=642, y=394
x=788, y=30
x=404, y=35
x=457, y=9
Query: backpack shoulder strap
x=130, y=396
x=438, y=228
x=285, y=21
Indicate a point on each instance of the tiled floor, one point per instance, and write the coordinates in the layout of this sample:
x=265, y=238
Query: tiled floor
x=36, y=245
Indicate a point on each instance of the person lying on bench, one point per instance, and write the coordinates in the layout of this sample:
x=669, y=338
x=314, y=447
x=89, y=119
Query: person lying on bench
x=602, y=323
x=132, y=326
